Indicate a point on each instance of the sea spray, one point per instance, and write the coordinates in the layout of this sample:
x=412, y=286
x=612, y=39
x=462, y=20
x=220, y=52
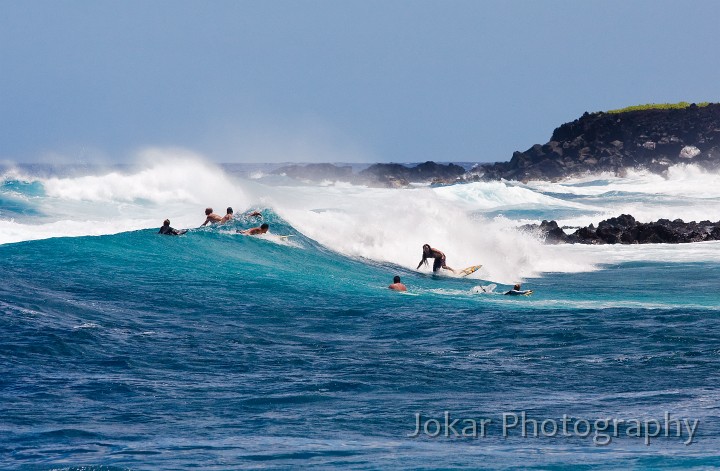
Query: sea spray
x=162, y=184
x=393, y=225
x=472, y=223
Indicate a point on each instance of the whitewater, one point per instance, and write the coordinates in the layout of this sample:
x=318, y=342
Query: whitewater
x=125, y=349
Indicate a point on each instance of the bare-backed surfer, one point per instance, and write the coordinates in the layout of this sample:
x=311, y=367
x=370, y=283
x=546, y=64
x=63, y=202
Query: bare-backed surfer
x=255, y=230
x=227, y=216
x=397, y=285
x=211, y=218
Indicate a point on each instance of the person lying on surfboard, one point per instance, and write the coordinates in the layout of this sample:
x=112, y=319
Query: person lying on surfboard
x=429, y=252
x=167, y=230
x=211, y=218
x=255, y=230
x=227, y=216
x=397, y=285
x=516, y=291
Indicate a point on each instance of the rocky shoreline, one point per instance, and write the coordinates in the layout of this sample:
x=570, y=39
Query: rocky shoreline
x=624, y=229
x=650, y=139
x=379, y=175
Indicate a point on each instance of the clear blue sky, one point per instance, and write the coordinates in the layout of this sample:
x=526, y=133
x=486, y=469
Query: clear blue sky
x=336, y=80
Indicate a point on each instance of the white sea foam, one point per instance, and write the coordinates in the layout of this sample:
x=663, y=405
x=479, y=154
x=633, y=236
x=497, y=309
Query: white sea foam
x=386, y=225
x=671, y=253
x=167, y=177
x=682, y=180
x=392, y=225
x=12, y=231
x=493, y=195
x=167, y=184
x=687, y=192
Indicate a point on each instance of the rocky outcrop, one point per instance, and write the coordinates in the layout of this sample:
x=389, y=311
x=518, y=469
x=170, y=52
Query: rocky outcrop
x=390, y=174
x=549, y=231
x=624, y=229
x=652, y=139
x=385, y=175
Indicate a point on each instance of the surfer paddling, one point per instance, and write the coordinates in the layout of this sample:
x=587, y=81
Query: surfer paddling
x=429, y=252
x=517, y=291
x=255, y=230
x=397, y=285
x=211, y=218
x=167, y=230
x=227, y=216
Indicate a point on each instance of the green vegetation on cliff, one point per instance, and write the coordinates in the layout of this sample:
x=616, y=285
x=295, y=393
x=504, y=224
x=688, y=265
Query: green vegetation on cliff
x=658, y=106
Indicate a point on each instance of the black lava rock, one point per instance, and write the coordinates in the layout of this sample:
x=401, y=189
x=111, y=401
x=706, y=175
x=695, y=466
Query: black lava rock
x=624, y=229
x=652, y=139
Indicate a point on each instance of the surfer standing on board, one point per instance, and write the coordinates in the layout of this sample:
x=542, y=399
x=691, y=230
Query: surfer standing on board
x=429, y=252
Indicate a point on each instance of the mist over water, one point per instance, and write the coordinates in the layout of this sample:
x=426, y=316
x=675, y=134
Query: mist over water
x=125, y=348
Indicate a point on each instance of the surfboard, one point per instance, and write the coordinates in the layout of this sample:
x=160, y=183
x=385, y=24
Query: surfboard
x=469, y=270
x=526, y=292
x=484, y=289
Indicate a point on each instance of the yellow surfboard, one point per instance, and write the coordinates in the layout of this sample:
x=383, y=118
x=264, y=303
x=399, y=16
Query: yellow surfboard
x=469, y=270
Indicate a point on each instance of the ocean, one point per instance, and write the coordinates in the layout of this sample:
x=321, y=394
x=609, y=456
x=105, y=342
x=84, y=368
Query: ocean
x=124, y=349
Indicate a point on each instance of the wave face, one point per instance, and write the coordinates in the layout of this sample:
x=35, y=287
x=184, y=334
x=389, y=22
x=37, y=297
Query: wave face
x=124, y=349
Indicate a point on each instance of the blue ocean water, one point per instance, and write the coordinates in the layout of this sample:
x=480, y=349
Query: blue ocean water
x=214, y=350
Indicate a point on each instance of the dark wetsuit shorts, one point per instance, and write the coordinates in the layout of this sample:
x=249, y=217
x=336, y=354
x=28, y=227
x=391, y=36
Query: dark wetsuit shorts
x=438, y=263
